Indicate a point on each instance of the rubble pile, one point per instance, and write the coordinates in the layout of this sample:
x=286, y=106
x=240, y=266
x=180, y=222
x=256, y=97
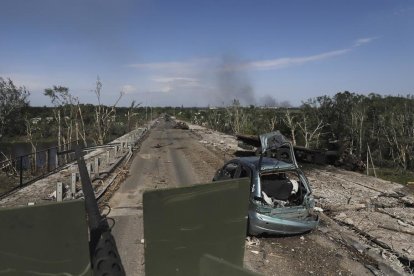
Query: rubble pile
x=221, y=141
x=181, y=125
x=379, y=213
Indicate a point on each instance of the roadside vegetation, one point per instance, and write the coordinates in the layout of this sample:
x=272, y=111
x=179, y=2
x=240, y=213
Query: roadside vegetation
x=374, y=126
x=65, y=120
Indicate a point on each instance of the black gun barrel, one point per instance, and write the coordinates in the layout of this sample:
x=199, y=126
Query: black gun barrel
x=102, y=246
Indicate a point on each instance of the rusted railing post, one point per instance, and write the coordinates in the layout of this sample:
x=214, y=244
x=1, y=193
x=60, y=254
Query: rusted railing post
x=96, y=167
x=48, y=160
x=56, y=158
x=73, y=185
x=21, y=170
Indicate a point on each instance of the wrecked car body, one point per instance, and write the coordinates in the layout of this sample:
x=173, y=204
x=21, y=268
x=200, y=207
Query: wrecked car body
x=281, y=200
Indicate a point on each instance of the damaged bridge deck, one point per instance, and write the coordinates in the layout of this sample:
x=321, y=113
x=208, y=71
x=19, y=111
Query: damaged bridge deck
x=366, y=228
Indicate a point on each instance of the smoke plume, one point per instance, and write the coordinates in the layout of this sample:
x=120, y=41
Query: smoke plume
x=270, y=101
x=233, y=83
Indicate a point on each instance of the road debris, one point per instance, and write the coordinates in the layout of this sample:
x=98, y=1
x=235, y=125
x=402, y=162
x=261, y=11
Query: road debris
x=181, y=125
x=252, y=241
x=317, y=209
x=354, y=201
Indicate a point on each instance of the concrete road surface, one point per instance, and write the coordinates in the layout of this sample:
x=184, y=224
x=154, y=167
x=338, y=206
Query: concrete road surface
x=173, y=157
x=168, y=158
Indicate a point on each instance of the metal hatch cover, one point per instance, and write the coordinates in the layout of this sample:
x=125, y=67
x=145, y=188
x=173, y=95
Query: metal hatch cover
x=213, y=266
x=183, y=224
x=49, y=239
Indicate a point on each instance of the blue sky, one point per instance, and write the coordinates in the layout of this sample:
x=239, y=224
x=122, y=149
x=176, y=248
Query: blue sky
x=195, y=53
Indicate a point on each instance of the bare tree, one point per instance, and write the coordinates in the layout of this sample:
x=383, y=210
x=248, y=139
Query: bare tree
x=311, y=123
x=272, y=123
x=104, y=115
x=68, y=115
x=237, y=118
x=11, y=98
x=358, y=115
x=80, y=126
x=291, y=123
x=130, y=114
x=398, y=131
x=311, y=131
x=29, y=139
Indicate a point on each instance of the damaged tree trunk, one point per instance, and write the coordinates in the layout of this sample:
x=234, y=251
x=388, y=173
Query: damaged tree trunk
x=372, y=161
x=290, y=121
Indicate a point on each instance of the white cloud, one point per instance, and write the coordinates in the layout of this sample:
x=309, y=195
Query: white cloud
x=180, y=80
x=188, y=68
x=181, y=67
x=290, y=61
x=278, y=63
x=167, y=84
x=128, y=88
x=159, y=65
x=363, y=41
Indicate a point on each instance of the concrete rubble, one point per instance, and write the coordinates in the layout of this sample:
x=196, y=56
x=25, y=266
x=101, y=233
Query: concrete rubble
x=378, y=214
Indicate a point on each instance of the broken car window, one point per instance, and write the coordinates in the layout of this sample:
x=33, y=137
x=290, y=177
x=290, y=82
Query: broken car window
x=281, y=189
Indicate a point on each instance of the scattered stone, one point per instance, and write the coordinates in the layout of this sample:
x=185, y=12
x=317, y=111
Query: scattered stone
x=349, y=221
x=400, y=222
x=251, y=241
x=52, y=195
x=340, y=216
x=318, y=209
x=181, y=125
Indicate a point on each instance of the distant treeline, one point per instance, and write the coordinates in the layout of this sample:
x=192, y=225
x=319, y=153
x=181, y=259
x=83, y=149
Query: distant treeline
x=350, y=122
x=68, y=120
x=346, y=121
x=44, y=125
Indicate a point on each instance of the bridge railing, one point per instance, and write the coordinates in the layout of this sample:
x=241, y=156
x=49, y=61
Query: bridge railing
x=24, y=170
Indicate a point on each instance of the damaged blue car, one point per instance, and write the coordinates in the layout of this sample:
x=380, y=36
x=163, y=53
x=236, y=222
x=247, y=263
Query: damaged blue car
x=281, y=200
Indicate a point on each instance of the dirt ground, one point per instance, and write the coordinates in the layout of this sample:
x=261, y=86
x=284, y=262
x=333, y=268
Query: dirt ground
x=366, y=227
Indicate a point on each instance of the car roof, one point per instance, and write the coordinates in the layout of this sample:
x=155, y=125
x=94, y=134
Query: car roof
x=267, y=163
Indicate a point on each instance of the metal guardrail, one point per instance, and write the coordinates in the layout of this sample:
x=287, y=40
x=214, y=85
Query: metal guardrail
x=18, y=172
x=23, y=170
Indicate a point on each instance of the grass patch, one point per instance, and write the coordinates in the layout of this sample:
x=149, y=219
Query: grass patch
x=395, y=175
